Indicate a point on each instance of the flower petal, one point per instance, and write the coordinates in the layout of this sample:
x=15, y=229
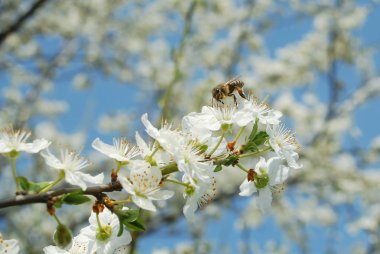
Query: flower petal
x=144, y=203
x=265, y=200
x=108, y=150
x=127, y=185
x=190, y=207
x=291, y=158
x=53, y=250
x=51, y=160
x=161, y=195
x=36, y=146
x=142, y=145
x=149, y=128
x=273, y=167
x=75, y=178
x=247, y=188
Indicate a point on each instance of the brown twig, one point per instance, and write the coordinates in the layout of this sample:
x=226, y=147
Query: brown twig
x=43, y=198
x=21, y=20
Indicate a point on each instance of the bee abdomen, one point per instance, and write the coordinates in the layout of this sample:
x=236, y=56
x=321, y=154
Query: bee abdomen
x=236, y=82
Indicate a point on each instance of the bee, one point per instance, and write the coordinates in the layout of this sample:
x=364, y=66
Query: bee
x=223, y=90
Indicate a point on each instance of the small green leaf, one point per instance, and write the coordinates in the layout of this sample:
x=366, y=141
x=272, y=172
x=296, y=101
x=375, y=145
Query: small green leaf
x=24, y=183
x=58, y=203
x=135, y=225
x=203, y=148
x=128, y=215
x=260, y=138
x=254, y=130
x=251, y=147
x=37, y=186
x=231, y=159
x=121, y=228
x=218, y=168
x=75, y=199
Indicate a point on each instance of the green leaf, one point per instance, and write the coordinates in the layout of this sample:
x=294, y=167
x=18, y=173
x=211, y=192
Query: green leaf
x=135, y=225
x=24, y=183
x=75, y=199
x=254, y=130
x=121, y=228
x=37, y=186
x=218, y=168
x=255, y=139
x=130, y=215
x=260, y=138
x=230, y=160
x=251, y=147
x=203, y=148
x=58, y=203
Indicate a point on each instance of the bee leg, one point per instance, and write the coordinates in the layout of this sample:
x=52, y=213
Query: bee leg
x=219, y=100
x=241, y=92
x=233, y=95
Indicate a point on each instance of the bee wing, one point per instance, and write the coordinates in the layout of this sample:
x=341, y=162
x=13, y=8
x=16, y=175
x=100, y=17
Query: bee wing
x=236, y=78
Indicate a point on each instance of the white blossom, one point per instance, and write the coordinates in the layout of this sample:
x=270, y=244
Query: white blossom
x=72, y=164
x=197, y=195
x=164, y=136
x=146, y=150
x=184, y=150
x=268, y=175
x=109, y=242
x=16, y=141
x=143, y=184
x=261, y=111
x=284, y=144
x=9, y=246
x=215, y=118
x=120, y=151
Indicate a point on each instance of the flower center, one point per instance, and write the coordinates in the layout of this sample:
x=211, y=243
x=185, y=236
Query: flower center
x=103, y=233
x=189, y=190
x=261, y=180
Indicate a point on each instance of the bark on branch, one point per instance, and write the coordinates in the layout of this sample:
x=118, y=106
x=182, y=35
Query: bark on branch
x=44, y=197
x=21, y=20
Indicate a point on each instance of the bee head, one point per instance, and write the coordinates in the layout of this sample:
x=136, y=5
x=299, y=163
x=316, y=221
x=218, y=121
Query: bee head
x=216, y=91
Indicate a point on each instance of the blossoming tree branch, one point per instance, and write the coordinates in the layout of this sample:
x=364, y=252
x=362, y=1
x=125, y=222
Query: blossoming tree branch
x=246, y=135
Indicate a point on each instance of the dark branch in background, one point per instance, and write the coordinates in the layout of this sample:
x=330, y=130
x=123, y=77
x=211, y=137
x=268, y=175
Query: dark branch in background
x=332, y=80
x=21, y=20
x=43, y=198
x=240, y=42
x=177, y=54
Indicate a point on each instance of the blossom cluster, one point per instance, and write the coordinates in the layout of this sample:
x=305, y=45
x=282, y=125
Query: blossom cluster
x=247, y=136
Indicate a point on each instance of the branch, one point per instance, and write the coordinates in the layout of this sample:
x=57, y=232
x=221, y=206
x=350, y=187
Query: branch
x=95, y=191
x=44, y=197
x=177, y=54
x=21, y=20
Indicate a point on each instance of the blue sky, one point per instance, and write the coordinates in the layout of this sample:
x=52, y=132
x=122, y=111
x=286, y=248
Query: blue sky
x=108, y=96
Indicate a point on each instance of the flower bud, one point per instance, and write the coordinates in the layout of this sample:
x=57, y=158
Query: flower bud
x=62, y=236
